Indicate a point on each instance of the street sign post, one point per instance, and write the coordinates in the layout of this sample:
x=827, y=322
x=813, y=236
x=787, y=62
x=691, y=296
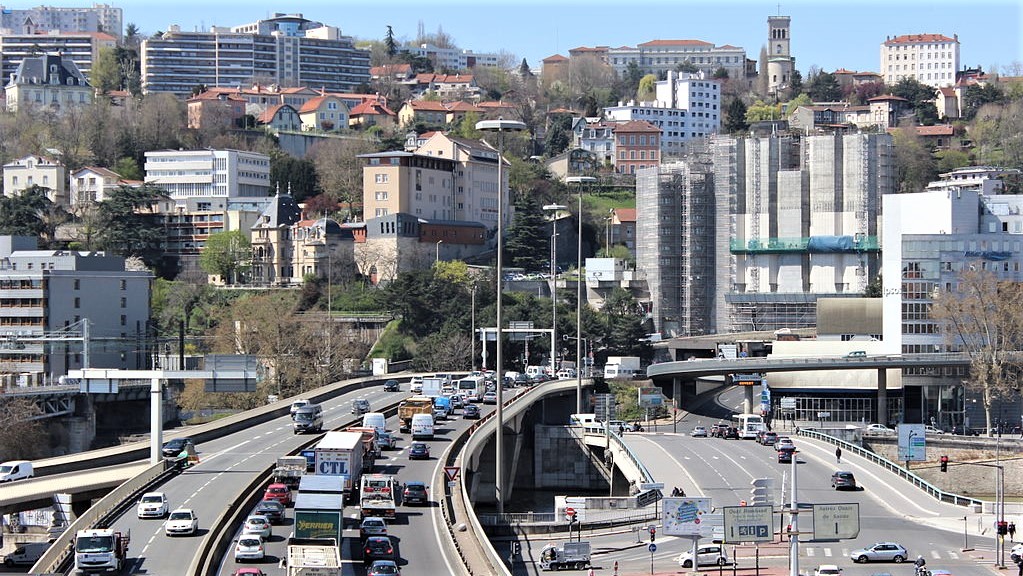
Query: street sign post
x=652, y=548
x=451, y=472
x=648, y=497
x=651, y=486
x=836, y=521
x=912, y=443
x=748, y=524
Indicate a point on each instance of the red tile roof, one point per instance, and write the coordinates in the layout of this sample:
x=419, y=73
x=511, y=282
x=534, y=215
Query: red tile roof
x=268, y=115
x=936, y=130
x=555, y=58
x=313, y=104
x=427, y=105
x=919, y=39
x=444, y=78
x=636, y=126
x=371, y=108
x=884, y=97
x=676, y=43
x=625, y=214
x=390, y=69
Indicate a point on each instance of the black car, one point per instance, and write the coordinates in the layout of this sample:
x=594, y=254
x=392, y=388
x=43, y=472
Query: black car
x=730, y=433
x=415, y=493
x=377, y=548
x=391, y=386
x=175, y=447
x=272, y=509
x=418, y=450
x=470, y=412
x=785, y=455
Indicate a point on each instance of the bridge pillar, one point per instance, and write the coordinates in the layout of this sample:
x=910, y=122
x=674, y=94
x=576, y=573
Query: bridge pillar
x=882, y=396
x=747, y=401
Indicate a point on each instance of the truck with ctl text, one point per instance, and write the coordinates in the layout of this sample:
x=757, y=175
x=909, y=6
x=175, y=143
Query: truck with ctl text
x=313, y=557
x=340, y=454
x=101, y=551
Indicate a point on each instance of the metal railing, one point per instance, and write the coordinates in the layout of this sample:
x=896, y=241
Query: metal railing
x=594, y=430
x=927, y=487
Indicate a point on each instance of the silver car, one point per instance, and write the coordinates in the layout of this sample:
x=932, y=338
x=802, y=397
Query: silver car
x=880, y=552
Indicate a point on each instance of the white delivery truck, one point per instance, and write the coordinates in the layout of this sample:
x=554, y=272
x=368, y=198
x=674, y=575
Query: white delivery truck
x=313, y=557
x=340, y=454
x=434, y=386
x=422, y=427
x=621, y=367
x=101, y=551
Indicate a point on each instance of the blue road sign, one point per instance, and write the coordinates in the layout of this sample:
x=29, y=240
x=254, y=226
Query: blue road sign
x=652, y=547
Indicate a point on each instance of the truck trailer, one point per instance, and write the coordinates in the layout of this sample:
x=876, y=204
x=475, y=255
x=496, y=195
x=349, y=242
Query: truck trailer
x=289, y=470
x=340, y=454
x=319, y=516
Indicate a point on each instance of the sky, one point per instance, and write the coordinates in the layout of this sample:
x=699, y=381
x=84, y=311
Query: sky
x=825, y=34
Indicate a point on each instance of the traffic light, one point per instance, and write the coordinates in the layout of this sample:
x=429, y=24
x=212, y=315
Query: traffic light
x=516, y=548
x=653, y=533
x=1003, y=528
x=944, y=463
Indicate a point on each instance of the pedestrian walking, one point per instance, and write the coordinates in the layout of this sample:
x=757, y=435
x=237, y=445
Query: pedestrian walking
x=1012, y=531
x=838, y=454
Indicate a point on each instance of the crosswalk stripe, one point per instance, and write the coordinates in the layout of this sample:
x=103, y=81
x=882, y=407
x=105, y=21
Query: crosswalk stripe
x=935, y=555
x=809, y=552
x=827, y=552
x=953, y=555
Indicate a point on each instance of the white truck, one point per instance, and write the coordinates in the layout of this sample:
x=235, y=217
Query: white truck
x=621, y=367
x=101, y=551
x=567, y=556
x=434, y=386
x=313, y=557
x=289, y=470
x=376, y=495
x=340, y=454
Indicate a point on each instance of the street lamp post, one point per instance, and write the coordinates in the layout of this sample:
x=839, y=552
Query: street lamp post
x=554, y=284
x=579, y=294
x=500, y=126
x=437, y=255
x=472, y=331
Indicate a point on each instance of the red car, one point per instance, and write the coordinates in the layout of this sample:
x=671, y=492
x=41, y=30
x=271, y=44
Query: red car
x=279, y=492
x=248, y=572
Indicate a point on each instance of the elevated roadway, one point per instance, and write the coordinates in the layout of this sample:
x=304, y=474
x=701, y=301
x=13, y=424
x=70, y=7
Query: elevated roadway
x=719, y=367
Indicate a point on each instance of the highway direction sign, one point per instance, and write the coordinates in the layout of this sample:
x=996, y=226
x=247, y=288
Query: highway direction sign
x=912, y=443
x=648, y=497
x=836, y=521
x=651, y=486
x=748, y=524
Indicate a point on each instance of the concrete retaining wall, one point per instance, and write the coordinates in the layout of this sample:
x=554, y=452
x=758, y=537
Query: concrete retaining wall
x=975, y=481
x=559, y=462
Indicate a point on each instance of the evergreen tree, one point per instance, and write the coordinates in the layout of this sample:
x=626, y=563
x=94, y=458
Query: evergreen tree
x=735, y=117
x=824, y=87
x=524, y=70
x=130, y=227
x=625, y=331
x=294, y=175
x=921, y=98
x=390, y=44
x=20, y=213
x=528, y=243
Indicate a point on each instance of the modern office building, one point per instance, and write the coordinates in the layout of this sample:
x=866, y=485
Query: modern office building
x=45, y=291
x=209, y=173
x=45, y=19
x=320, y=57
x=931, y=59
x=81, y=48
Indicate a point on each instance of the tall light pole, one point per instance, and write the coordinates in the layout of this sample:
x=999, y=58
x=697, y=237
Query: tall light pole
x=437, y=255
x=554, y=284
x=472, y=332
x=500, y=126
x=580, y=180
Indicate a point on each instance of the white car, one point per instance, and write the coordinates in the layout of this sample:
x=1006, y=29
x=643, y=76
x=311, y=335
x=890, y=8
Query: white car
x=827, y=570
x=706, y=554
x=257, y=525
x=928, y=429
x=181, y=522
x=699, y=432
x=153, y=505
x=879, y=429
x=1016, y=553
x=249, y=548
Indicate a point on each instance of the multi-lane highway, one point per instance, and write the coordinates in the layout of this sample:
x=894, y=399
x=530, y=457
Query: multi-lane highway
x=228, y=463
x=890, y=508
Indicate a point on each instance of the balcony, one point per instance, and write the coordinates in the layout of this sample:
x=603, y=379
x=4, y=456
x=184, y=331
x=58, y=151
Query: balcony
x=807, y=244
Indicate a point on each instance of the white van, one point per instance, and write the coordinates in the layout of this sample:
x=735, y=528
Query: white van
x=15, y=470
x=26, y=554
x=422, y=426
x=583, y=420
x=375, y=420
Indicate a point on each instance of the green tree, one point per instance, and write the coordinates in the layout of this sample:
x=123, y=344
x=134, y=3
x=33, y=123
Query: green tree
x=128, y=169
x=721, y=73
x=626, y=333
x=914, y=164
x=22, y=213
x=527, y=239
x=760, y=112
x=687, y=66
x=801, y=100
x=735, y=117
x=920, y=97
x=949, y=160
x=106, y=71
x=226, y=254
x=559, y=134
x=467, y=126
x=976, y=96
x=647, y=88
x=392, y=46
x=824, y=87
x=294, y=175
x=130, y=226
x=795, y=84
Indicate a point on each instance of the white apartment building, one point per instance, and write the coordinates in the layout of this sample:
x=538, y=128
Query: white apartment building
x=36, y=171
x=660, y=56
x=92, y=184
x=686, y=106
x=209, y=173
x=43, y=19
x=453, y=58
x=177, y=61
x=82, y=48
x=987, y=180
x=931, y=59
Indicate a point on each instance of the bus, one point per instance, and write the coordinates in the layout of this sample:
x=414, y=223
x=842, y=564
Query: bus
x=472, y=387
x=748, y=425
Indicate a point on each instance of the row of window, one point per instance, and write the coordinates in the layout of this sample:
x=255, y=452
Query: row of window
x=642, y=155
x=8, y=284
x=630, y=140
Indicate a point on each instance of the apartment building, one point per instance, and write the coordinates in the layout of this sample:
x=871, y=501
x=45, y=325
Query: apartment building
x=931, y=59
x=453, y=58
x=474, y=178
x=93, y=184
x=662, y=56
x=637, y=146
x=408, y=183
x=685, y=107
x=40, y=171
x=45, y=291
x=50, y=82
x=44, y=19
x=209, y=173
x=82, y=48
x=177, y=61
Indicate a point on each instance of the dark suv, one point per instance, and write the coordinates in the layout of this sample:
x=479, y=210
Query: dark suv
x=730, y=433
x=415, y=493
x=843, y=479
